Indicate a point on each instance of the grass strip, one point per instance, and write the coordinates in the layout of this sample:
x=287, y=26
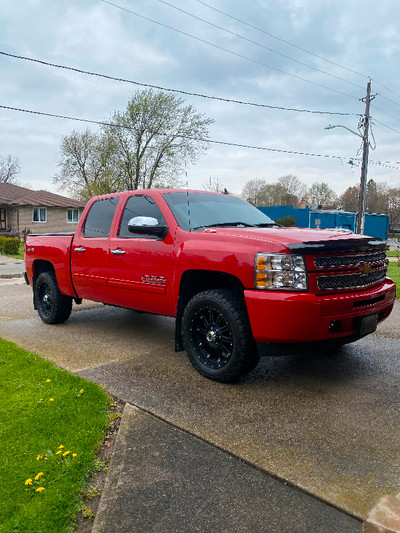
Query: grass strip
x=394, y=273
x=51, y=425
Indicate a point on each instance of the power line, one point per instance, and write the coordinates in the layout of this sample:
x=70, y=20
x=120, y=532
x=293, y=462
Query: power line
x=260, y=45
x=385, y=125
x=229, y=51
x=298, y=47
x=187, y=93
x=384, y=112
x=206, y=140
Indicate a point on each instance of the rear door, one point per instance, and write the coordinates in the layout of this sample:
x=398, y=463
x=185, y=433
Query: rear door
x=141, y=266
x=90, y=251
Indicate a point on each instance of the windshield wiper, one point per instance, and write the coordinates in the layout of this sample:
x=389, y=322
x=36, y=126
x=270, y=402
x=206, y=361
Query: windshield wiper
x=267, y=225
x=226, y=224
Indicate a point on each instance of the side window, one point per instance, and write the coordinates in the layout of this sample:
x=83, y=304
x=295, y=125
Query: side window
x=99, y=219
x=139, y=206
x=39, y=214
x=72, y=216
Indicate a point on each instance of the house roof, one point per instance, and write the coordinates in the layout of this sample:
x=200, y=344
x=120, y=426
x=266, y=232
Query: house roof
x=14, y=195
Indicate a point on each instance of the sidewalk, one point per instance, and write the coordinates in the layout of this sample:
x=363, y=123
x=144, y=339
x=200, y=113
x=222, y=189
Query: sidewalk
x=162, y=479
x=11, y=268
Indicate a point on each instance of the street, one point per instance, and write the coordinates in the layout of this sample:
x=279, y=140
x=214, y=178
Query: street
x=326, y=424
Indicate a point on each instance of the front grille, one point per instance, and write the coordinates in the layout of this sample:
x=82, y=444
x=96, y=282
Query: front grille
x=337, y=261
x=350, y=281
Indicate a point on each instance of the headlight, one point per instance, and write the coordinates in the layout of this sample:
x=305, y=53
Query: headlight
x=285, y=272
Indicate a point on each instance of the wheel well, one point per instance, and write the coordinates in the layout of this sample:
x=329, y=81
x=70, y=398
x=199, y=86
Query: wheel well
x=40, y=266
x=195, y=281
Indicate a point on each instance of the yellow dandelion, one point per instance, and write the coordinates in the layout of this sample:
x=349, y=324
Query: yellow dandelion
x=80, y=392
x=28, y=481
x=65, y=453
x=47, y=380
x=41, y=400
x=59, y=452
x=61, y=447
x=38, y=458
x=38, y=476
x=40, y=489
x=51, y=399
x=74, y=455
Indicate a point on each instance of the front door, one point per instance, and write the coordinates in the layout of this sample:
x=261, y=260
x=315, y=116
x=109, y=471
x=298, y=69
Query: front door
x=141, y=266
x=3, y=221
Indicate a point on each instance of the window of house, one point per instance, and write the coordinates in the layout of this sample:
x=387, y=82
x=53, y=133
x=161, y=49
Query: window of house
x=72, y=216
x=39, y=214
x=3, y=226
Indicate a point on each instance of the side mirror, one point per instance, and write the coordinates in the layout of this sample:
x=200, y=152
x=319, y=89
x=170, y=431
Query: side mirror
x=147, y=226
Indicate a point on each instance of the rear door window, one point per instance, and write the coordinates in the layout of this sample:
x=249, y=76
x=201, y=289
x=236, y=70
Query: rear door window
x=99, y=219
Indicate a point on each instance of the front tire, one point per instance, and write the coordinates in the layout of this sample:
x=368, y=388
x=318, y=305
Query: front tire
x=52, y=306
x=217, y=335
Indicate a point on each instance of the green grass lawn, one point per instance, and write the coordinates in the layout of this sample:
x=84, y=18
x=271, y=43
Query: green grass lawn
x=393, y=253
x=51, y=425
x=394, y=273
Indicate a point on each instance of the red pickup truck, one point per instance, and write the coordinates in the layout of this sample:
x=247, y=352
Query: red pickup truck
x=229, y=274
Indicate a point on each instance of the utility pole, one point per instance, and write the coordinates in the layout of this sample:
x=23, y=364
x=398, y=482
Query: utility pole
x=364, y=165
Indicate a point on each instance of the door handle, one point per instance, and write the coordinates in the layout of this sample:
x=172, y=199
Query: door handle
x=81, y=249
x=118, y=252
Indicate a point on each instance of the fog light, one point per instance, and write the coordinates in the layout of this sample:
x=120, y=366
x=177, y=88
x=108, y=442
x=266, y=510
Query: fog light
x=335, y=325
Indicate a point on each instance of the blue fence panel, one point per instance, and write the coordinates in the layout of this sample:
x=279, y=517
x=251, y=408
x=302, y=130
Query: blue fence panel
x=376, y=225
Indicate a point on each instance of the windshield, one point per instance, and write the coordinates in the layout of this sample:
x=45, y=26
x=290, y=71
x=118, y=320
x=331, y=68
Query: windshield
x=196, y=210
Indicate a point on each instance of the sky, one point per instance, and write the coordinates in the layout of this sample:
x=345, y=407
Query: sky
x=297, y=54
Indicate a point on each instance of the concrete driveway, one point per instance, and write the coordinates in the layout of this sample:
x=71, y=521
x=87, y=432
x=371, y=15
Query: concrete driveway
x=327, y=425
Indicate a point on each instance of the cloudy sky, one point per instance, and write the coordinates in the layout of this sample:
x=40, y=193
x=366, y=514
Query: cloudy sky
x=303, y=54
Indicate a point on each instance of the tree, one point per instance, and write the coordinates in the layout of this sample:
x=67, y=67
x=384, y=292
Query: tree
x=394, y=207
x=260, y=193
x=153, y=138
x=294, y=190
x=252, y=192
x=10, y=168
x=349, y=199
x=376, y=198
x=321, y=194
x=214, y=185
x=144, y=146
x=86, y=165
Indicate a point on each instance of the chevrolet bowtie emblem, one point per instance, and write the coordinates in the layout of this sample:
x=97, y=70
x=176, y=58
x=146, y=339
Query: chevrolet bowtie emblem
x=364, y=268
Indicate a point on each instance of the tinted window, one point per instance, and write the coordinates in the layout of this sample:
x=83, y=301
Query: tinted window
x=139, y=206
x=100, y=217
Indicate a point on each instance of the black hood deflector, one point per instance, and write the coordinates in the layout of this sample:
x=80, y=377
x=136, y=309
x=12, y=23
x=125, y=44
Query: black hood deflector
x=336, y=246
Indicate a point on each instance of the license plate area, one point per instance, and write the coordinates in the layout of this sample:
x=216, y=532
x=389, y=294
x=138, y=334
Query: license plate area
x=366, y=324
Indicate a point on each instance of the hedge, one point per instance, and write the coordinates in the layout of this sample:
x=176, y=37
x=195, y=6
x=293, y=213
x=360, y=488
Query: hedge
x=288, y=221
x=9, y=245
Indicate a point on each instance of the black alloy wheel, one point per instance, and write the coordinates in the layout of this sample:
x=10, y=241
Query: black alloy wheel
x=217, y=335
x=211, y=337
x=52, y=306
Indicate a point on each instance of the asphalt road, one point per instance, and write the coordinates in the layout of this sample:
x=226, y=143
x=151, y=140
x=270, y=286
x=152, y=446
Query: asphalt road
x=329, y=425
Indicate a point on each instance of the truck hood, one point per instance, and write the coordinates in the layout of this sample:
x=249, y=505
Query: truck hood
x=305, y=240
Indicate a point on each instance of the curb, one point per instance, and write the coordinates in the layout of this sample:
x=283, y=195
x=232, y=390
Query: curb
x=384, y=517
x=10, y=276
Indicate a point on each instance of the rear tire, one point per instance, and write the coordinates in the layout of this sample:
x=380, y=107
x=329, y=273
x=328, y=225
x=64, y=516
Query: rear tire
x=217, y=335
x=53, y=307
